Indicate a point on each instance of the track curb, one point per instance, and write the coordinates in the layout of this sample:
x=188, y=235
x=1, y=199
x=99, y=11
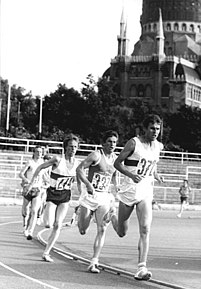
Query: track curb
x=104, y=267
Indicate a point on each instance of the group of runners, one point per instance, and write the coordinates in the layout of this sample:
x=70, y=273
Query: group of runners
x=93, y=177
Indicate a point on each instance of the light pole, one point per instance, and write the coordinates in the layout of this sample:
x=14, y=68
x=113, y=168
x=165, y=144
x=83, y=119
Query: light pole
x=40, y=118
x=8, y=110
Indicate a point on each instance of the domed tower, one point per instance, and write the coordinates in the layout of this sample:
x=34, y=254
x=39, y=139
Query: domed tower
x=164, y=69
x=173, y=10
x=181, y=25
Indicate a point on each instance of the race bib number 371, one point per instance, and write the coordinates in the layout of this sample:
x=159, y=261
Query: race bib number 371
x=145, y=167
x=64, y=183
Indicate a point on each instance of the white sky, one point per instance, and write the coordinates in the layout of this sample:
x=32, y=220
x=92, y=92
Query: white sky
x=47, y=42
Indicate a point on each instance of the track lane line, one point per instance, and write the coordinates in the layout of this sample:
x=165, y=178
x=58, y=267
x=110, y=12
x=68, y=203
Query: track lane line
x=26, y=276
x=22, y=274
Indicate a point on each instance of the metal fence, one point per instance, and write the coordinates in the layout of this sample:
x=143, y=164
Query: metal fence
x=15, y=152
x=54, y=147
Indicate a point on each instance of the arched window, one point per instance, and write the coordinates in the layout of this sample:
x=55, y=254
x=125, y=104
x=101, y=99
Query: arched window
x=191, y=28
x=148, y=91
x=183, y=27
x=155, y=27
x=133, y=91
x=140, y=90
x=149, y=27
x=179, y=71
x=165, y=90
x=176, y=26
x=168, y=27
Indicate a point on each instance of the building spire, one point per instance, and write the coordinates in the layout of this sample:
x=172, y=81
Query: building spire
x=160, y=39
x=122, y=38
x=122, y=23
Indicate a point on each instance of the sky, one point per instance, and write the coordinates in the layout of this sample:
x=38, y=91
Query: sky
x=47, y=42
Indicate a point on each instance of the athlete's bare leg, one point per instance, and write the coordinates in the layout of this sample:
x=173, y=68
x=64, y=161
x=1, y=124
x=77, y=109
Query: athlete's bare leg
x=84, y=218
x=26, y=215
x=144, y=215
x=61, y=212
x=49, y=214
x=100, y=213
x=182, y=208
x=42, y=207
x=101, y=230
x=120, y=224
x=35, y=205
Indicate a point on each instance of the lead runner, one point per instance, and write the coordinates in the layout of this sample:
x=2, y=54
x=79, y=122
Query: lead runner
x=137, y=162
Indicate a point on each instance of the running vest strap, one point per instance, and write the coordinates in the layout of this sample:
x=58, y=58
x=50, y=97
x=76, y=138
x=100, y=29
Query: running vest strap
x=132, y=163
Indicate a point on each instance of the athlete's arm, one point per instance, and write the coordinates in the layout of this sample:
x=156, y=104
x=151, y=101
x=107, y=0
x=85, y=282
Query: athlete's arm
x=158, y=177
x=23, y=172
x=52, y=162
x=118, y=164
x=81, y=174
x=115, y=180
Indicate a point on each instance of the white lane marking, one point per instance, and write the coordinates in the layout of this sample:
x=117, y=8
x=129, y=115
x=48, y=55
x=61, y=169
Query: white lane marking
x=21, y=274
x=27, y=277
x=16, y=222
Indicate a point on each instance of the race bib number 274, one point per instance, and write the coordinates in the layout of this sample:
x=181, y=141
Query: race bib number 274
x=64, y=183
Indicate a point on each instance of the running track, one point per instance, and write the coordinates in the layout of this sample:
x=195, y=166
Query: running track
x=174, y=255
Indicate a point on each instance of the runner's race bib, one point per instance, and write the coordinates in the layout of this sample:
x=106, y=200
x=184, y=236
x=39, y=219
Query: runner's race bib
x=64, y=183
x=101, y=182
x=145, y=167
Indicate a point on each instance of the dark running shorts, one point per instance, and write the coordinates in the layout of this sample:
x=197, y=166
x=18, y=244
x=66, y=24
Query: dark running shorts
x=31, y=194
x=58, y=197
x=183, y=199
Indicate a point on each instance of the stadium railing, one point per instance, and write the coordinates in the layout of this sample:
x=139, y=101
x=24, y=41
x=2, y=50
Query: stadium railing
x=54, y=147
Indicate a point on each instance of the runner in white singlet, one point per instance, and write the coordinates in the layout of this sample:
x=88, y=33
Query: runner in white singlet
x=96, y=197
x=31, y=200
x=137, y=162
x=62, y=177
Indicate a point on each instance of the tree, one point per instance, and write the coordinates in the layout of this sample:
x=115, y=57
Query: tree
x=186, y=128
x=22, y=109
x=63, y=109
x=101, y=107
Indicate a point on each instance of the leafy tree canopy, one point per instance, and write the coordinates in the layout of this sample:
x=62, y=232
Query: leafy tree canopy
x=97, y=108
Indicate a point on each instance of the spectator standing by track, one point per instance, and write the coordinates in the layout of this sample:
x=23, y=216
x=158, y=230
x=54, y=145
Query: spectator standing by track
x=184, y=193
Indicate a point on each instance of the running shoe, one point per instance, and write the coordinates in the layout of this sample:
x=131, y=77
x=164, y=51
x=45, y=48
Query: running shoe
x=29, y=237
x=143, y=274
x=47, y=258
x=93, y=268
x=179, y=215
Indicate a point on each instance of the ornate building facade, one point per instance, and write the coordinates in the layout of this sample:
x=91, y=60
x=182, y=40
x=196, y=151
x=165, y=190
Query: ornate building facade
x=165, y=66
